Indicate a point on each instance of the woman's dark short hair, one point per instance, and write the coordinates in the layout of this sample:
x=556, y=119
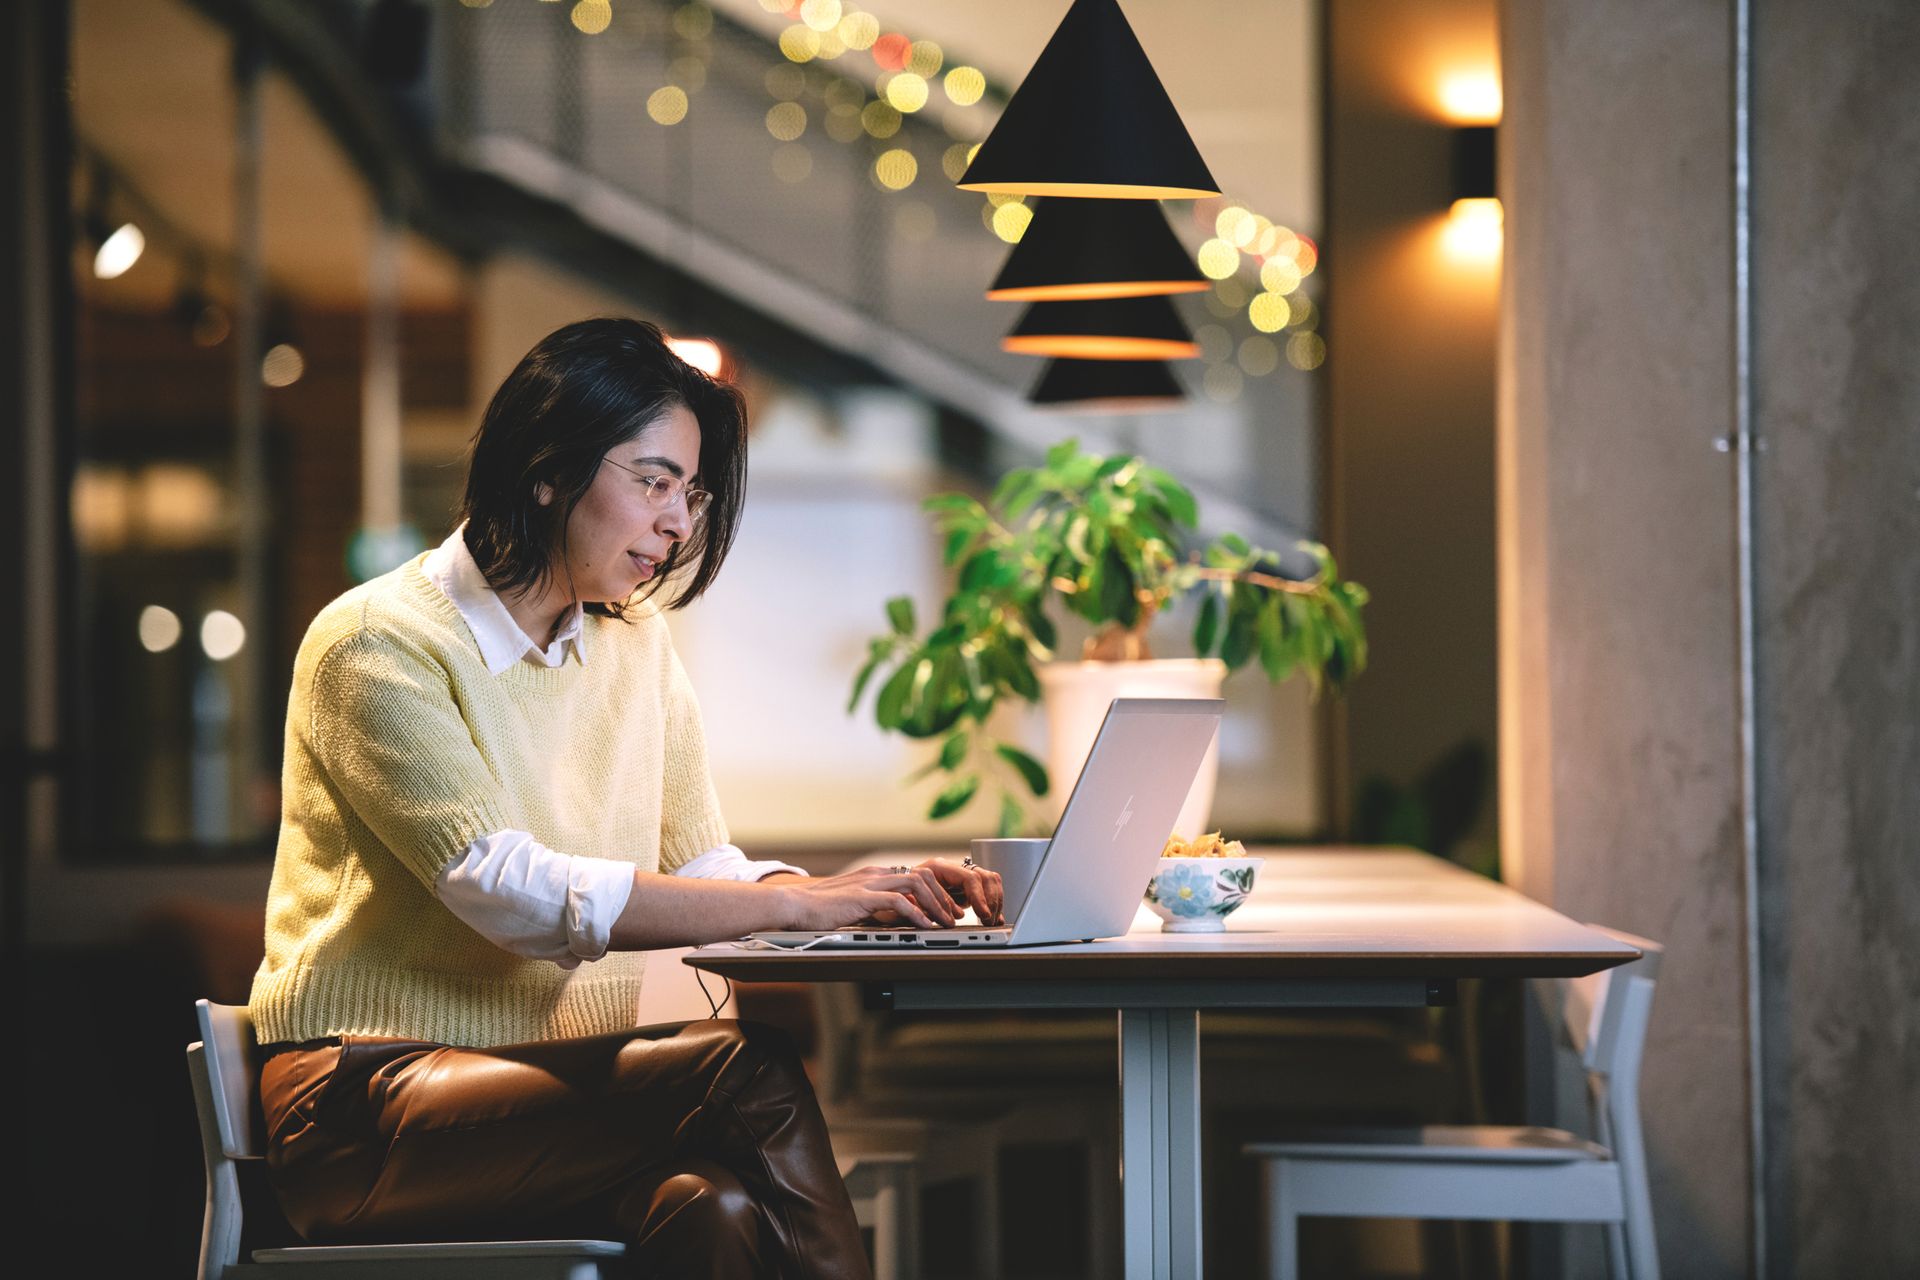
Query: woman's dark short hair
x=580, y=392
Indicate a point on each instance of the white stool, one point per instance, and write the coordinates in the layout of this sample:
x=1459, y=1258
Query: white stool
x=1495, y=1172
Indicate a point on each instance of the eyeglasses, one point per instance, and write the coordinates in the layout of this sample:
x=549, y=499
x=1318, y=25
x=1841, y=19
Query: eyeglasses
x=664, y=491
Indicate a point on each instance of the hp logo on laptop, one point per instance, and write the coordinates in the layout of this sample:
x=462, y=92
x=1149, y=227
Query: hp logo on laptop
x=1126, y=816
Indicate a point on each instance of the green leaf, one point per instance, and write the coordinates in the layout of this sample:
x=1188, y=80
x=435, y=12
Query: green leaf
x=1238, y=646
x=1058, y=455
x=1178, y=499
x=953, y=503
x=1273, y=644
x=1207, y=627
x=1011, y=816
x=1114, y=466
x=1010, y=484
x=900, y=614
x=860, y=681
x=979, y=569
x=1235, y=543
x=1041, y=626
x=890, y=707
x=1030, y=769
x=957, y=541
x=1117, y=600
x=955, y=797
x=1020, y=676
x=953, y=750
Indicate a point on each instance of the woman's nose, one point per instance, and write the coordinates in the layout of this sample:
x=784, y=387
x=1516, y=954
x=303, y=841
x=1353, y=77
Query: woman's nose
x=673, y=523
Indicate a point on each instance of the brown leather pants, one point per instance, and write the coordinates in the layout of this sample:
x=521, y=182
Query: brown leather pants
x=700, y=1146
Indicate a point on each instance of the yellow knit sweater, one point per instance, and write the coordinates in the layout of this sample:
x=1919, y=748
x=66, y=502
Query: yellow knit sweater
x=401, y=750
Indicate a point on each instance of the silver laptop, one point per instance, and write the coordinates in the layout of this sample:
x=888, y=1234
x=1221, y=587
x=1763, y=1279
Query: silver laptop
x=1101, y=855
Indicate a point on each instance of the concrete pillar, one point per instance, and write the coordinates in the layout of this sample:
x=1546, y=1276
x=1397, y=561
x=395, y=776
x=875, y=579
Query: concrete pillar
x=1620, y=605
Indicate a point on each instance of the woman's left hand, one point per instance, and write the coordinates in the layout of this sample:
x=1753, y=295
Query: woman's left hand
x=970, y=886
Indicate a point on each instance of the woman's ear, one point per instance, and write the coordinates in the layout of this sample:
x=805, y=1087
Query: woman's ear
x=543, y=492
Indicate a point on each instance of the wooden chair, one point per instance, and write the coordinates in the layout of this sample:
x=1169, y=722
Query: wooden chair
x=1496, y=1172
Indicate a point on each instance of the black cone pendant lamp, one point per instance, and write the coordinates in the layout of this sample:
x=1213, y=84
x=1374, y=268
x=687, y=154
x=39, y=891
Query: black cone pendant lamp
x=1091, y=119
x=1078, y=249
x=1107, y=384
x=1109, y=329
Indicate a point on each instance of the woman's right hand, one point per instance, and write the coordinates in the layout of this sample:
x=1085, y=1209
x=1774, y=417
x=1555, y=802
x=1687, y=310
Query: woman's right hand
x=903, y=895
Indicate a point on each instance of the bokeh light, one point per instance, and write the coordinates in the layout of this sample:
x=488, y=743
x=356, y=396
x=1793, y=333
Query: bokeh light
x=880, y=119
x=1301, y=312
x=1232, y=292
x=1279, y=275
x=693, y=21
x=1249, y=229
x=896, y=169
x=118, y=252
x=907, y=92
x=667, y=104
x=1268, y=312
x=925, y=58
x=1306, y=351
x=222, y=635
x=1218, y=259
x=843, y=123
x=821, y=15
x=953, y=161
x=592, y=16
x=1010, y=221
x=689, y=73
x=159, y=628
x=890, y=51
x=1227, y=222
x=282, y=365
x=965, y=86
x=859, y=30
x=786, y=120
x=800, y=43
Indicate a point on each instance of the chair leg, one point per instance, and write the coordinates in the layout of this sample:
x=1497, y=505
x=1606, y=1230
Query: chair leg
x=1283, y=1228
x=1616, y=1252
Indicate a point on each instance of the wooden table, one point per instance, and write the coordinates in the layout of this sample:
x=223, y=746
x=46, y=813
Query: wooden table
x=1354, y=928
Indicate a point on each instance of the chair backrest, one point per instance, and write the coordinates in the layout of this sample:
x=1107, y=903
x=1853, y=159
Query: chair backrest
x=1607, y=1012
x=226, y=1034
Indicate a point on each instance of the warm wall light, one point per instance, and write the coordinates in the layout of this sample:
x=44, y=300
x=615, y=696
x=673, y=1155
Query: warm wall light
x=1472, y=98
x=1474, y=229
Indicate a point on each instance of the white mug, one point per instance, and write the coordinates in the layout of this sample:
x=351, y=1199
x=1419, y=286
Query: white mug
x=1017, y=860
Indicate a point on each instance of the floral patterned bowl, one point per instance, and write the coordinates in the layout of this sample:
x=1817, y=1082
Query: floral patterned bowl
x=1195, y=895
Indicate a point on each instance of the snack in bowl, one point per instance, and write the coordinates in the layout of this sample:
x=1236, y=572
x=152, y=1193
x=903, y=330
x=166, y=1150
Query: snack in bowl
x=1200, y=882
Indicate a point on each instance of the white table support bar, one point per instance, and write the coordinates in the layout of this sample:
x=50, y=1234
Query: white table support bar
x=1160, y=1138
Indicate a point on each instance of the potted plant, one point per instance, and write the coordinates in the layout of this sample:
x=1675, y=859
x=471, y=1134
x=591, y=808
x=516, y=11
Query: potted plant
x=1103, y=538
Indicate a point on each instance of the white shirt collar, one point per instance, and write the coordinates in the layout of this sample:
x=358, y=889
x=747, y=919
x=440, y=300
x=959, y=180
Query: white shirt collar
x=452, y=568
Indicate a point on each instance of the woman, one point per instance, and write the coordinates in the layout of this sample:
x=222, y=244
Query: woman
x=496, y=800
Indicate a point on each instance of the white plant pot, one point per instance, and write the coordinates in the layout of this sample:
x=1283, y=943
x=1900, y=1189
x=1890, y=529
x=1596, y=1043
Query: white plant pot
x=1076, y=695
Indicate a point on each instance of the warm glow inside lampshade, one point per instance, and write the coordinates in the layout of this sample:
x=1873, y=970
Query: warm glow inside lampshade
x=1079, y=249
x=1091, y=119
x=1109, y=329
x=1108, y=384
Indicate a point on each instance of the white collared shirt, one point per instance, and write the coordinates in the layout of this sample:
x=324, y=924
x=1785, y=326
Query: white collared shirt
x=510, y=888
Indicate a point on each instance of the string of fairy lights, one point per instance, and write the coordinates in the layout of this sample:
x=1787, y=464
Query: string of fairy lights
x=1261, y=313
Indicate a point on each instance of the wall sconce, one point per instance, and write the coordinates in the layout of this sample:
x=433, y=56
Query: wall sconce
x=1475, y=220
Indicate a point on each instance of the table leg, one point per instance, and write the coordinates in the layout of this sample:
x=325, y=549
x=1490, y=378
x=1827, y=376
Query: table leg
x=1160, y=1142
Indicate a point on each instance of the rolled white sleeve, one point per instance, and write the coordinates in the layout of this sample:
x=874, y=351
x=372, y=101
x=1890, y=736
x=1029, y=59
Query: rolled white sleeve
x=533, y=901
x=528, y=899
x=728, y=862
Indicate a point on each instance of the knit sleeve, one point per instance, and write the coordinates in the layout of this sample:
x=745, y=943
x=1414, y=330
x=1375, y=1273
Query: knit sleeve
x=690, y=819
x=389, y=735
